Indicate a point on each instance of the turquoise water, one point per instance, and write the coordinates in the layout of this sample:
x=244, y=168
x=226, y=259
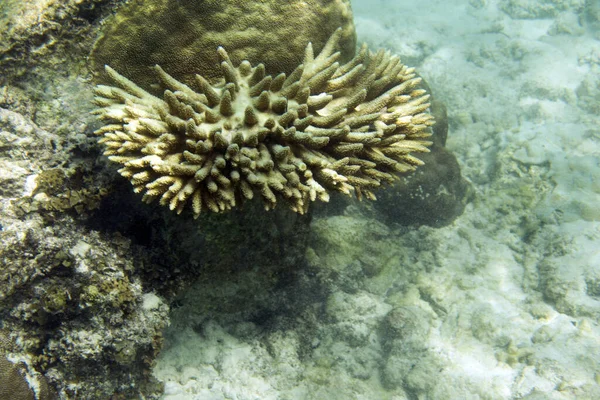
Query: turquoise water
x=475, y=277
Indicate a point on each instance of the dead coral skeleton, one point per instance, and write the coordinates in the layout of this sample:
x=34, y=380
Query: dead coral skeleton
x=325, y=127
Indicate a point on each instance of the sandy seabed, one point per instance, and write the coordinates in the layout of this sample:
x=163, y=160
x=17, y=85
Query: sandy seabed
x=505, y=302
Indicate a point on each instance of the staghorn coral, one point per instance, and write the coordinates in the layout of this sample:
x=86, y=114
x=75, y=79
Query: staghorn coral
x=325, y=127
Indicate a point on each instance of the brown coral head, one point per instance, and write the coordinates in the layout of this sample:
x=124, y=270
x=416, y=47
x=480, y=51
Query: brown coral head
x=325, y=127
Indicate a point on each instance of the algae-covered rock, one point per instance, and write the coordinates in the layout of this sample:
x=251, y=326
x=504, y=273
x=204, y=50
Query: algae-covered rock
x=533, y=9
x=433, y=195
x=43, y=51
x=69, y=298
x=182, y=36
x=71, y=304
x=32, y=30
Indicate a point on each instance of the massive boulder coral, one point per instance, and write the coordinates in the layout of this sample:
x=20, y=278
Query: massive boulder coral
x=326, y=127
x=17, y=382
x=181, y=36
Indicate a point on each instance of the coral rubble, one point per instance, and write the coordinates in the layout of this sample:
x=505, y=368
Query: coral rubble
x=326, y=127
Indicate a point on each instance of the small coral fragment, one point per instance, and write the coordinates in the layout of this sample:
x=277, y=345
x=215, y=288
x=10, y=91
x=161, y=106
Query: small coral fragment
x=325, y=127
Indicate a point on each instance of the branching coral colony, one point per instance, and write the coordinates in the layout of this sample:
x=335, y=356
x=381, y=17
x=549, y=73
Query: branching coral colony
x=325, y=127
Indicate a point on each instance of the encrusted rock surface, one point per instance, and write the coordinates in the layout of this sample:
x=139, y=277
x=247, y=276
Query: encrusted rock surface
x=433, y=195
x=71, y=299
